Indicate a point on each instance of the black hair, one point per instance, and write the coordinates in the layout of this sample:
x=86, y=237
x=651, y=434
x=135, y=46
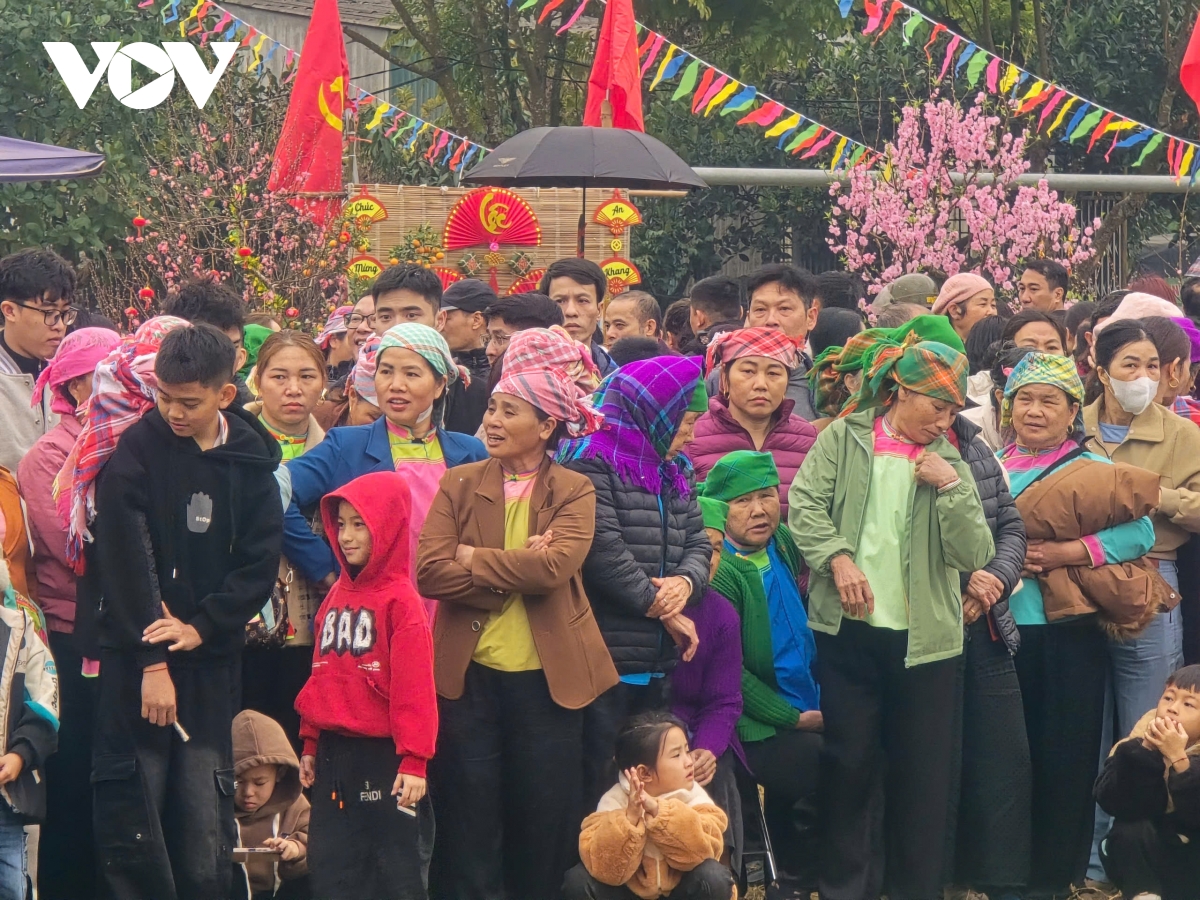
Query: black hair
x=791, y=278
x=522, y=311
x=837, y=290
x=581, y=271
x=634, y=348
x=719, y=297
x=409, y=277
x=1027, y=317
x=982, y=343
x=641, y=738
x=1117, y=335
x=677, y=321
x=1008, y=355
x=1078, y=315
x=835, y=326
x=645, y=307
x=1189, y=297
x=559, y=434
x=1186, y=678
x=32, y=273
x=1055, y=273
x=197, y=353
x=1171, y=341
x=203, y=301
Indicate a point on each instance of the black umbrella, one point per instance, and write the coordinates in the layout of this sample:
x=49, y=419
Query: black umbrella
x=584, y=157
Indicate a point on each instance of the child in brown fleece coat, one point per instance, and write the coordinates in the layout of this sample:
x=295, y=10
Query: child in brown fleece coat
x=272, y=813
x=656, y=833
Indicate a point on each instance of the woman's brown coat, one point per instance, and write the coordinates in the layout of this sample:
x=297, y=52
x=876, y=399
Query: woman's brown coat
x=470, y=504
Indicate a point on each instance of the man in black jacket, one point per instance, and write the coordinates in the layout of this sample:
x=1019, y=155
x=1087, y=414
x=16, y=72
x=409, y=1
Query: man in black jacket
x=464, y=327
x=188, y=532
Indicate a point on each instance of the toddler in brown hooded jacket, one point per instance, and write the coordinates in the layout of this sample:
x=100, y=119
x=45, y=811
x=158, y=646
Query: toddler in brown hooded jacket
x=271, y=810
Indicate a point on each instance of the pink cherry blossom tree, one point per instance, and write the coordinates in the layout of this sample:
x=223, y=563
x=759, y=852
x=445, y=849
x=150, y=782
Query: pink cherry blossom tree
x=914, y=217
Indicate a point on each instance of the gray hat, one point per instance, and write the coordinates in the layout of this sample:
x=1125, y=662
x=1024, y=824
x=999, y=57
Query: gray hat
x=469, y=295
x=911, y=288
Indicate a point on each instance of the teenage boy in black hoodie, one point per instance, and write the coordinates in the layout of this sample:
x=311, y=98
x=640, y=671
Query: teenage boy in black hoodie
x=188, y=531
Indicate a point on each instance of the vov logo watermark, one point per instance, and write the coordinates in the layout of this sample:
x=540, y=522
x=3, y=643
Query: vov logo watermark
x=165, y=61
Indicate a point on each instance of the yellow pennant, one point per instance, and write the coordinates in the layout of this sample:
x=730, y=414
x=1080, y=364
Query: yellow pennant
x=787, y=124
x=380, y=111
x=837, y=153
x=1118, y=126
x=1038, y=87
x=256, y=57
x=662, y=66
x=721, y=96
x=191, y=15
x=1062, y=114
x=1186, y=165
x=1009, y=79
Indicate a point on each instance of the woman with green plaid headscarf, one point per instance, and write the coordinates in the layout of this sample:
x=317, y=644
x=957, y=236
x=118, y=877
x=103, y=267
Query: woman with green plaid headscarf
x=886, y=514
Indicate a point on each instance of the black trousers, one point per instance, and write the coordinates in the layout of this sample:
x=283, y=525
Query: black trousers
x=67, y=831
x=1144, y=856
x=162, y=807
x=992, y=843
x=602, y=719
x=507, y=786
x=271, y=679
x=1062, y=670
x=708, y=881
x=359, y=843
x=788, y=766
x=887, y=766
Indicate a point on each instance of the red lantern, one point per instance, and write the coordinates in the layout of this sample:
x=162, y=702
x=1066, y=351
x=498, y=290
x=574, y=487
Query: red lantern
x=140, y=222
x=146, y=293
x=132, y=312
x=244, y=252
x=291, y=312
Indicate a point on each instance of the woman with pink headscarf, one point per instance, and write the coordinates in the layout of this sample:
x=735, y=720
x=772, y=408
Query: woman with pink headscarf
x=965, y=299
x=68, y=829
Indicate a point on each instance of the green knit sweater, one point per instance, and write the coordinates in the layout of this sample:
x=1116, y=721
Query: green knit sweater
x=764, y=710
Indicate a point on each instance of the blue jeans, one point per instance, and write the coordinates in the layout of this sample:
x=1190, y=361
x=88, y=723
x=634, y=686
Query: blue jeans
x=1139, y=670
x=12, y=854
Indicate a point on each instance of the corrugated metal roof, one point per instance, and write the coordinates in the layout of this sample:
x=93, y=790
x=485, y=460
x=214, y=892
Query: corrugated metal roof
x=358, y=12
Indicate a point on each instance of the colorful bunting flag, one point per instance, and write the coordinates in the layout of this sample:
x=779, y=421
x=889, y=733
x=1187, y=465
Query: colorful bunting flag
x=706, y=81
x=720, y=97
x=662, y=66
x=742, y=101
x=688, y=81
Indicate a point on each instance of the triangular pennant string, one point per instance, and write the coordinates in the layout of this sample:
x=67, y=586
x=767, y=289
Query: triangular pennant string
x=819, y=145
x=950, y=48
x=1149, y=148
x=652, y=55
x=837, y=154
x=993, y=75
x=1048, y=109
x=705, y=81
x=1134, y=139
x=1103, y=124
x=662, y=66
x=742, y=101
x=803, y=139
x=764, y=115
x=720, y=97
x=978, y=62
x=457, y=157
x=964, y=58
x=1075, y=120
x=688, y=81
x=792, y=121
x=706, y=95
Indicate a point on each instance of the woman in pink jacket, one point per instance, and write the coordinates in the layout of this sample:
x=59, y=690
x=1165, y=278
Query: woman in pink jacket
x=67, y=833
x=751, y=411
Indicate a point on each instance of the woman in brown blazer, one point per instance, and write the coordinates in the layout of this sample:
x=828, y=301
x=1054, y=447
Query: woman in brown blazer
x=517, y=653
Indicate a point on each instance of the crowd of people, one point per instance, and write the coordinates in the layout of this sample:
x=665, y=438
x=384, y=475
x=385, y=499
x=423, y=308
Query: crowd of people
x=556, y=595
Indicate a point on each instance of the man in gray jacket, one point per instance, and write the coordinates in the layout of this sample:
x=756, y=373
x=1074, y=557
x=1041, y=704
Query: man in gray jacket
x=36, y=288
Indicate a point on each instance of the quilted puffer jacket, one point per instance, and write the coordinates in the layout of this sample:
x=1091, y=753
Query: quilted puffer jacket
x=719, y=433
x=1008, y=531
x=639, y=536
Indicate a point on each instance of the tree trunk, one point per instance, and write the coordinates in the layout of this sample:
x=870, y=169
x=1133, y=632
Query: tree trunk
x=1039, y=31
x=985, y=38
x=1014, y=50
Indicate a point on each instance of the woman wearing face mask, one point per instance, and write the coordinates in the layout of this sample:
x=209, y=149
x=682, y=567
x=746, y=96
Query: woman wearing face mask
x=1126, y=425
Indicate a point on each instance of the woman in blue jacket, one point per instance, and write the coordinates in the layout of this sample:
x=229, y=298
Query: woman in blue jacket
x=413, y=371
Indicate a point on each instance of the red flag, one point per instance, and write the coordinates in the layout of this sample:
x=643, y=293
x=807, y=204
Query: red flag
x=1189, y=72
x=308, y=157
x=615, y=70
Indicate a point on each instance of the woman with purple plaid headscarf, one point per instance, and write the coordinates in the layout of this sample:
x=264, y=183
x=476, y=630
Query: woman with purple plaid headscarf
x=650, y=553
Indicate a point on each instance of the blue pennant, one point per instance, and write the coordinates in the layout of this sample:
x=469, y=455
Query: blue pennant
x=742, y=97
x=466, y=159
x=674, y=66
x=1075, y=120
x=966, y=56
x=1136, y=138
x=844, y=6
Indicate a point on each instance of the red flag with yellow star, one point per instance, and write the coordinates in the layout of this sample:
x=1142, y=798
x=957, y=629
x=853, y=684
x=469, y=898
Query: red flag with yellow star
x=308, y=157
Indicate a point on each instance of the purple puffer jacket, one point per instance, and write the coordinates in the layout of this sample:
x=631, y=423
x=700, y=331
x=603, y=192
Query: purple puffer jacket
x=718, y=433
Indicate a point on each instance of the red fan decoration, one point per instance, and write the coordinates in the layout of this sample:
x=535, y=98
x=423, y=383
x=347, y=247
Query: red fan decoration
x=528, y=283
x=491, y=217
x=448, y=276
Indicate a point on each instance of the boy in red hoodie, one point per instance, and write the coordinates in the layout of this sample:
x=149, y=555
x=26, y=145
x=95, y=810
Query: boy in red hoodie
x=368, y=714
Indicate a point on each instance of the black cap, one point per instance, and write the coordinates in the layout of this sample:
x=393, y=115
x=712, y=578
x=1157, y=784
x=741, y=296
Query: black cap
x=470, y=295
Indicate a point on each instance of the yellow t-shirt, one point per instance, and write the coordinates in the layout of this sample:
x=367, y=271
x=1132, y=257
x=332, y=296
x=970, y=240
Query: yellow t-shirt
x=506, y=642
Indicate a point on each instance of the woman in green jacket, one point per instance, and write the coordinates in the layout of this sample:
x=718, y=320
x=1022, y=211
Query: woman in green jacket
x=886, y=514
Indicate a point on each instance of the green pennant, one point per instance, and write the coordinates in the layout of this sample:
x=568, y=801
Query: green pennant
x=975, y=67
x=910, y=27
x=1150, y=147
x=688, y=81
x=527, y=4
x=802, y=137
x=857, y=156
x=1090, y=121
